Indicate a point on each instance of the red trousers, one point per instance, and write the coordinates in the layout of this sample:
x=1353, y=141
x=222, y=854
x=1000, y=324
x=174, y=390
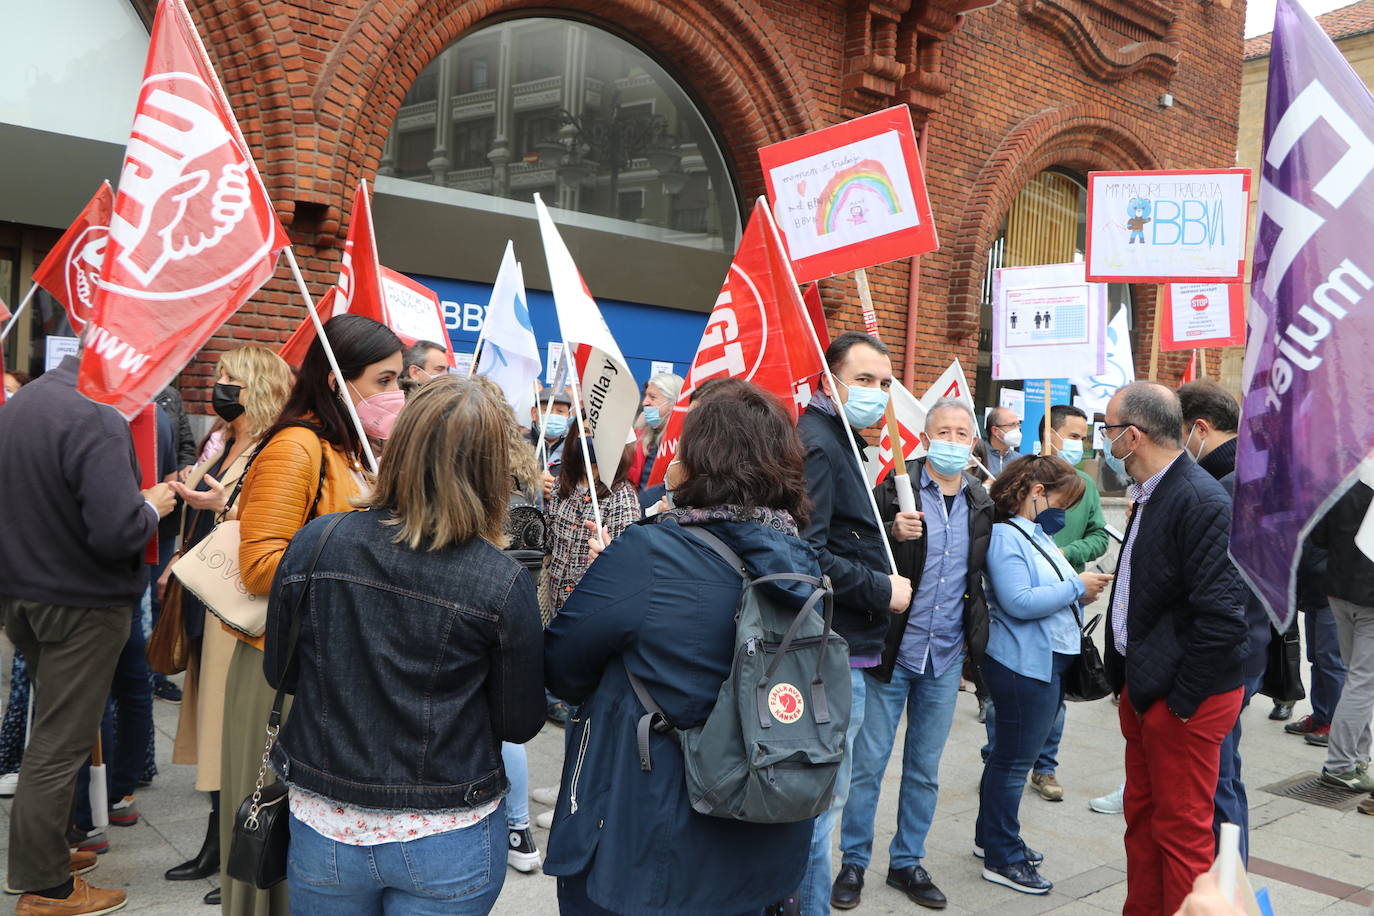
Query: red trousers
x=1171, y=779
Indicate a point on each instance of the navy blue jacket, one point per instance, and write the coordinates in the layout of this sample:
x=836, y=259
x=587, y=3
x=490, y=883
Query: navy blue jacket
x=1257, y=624
x=1186, y=630
x=662, y=604
x=411, y=668
x=845, y=535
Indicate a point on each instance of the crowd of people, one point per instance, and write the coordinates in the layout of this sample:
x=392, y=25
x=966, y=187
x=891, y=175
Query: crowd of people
x=423, y=622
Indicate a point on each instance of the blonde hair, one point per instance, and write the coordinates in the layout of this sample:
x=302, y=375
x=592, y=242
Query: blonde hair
x=266, y=383
x=445, y=474
x=524, y=466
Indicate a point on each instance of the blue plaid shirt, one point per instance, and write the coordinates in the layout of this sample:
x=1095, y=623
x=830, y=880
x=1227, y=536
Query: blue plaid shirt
x=935, y=625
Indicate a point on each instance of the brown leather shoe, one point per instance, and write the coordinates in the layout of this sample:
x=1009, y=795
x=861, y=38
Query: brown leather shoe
x=1366, y=806
x=84, y=901
x=82, y=863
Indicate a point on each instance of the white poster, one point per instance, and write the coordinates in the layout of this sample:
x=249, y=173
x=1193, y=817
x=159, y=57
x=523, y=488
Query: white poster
x=56, y=348
x=462, y=364
x=659, y=367
x=1014, y=400
x=1159, y=226
x=412, y=313
x=1048, y=322
x=551, y=366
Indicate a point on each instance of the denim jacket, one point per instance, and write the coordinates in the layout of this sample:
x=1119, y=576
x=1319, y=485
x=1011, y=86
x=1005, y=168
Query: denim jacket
x=411, y=668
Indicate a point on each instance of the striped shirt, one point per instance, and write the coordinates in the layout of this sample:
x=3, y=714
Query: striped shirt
x=1121, y=595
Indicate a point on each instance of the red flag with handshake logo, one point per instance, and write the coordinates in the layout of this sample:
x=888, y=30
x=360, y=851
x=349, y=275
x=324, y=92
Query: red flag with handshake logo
x=71, y=271
x=192, y=234
x=759, y=330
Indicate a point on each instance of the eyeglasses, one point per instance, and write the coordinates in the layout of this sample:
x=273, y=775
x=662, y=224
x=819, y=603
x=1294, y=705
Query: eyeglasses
x=1107, y=426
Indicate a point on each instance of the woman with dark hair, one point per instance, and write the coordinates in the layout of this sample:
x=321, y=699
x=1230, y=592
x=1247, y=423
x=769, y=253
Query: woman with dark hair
x=660, y=603
x=310, y=464
x=1033, y=637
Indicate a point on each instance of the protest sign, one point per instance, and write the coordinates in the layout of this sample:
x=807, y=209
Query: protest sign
x=1171, y=225
x=1013, y=399
x=71, y=271
x=1305, y=424
x=192, y=233
x=1047, y=323
x=1033, y=415
x=56, y=349
x=1199, y=315
x=850, y=196
x=413, y=311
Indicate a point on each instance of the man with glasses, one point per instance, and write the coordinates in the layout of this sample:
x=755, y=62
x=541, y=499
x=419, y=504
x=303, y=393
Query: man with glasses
x=1004, y=438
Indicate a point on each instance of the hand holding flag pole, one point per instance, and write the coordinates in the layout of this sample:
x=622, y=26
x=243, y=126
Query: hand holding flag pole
x=906, y=497
x=18, y=310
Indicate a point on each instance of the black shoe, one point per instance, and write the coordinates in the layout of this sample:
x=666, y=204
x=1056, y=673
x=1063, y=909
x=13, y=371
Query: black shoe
x=982, y=713
x=166, y=690
x=1281, y=712
x=848, y=886
x=557, y=713
x=212, y=897
x=1019, y=876
x=914, y=881
x=521, y=852
x=1033, y=857
x=206, y=862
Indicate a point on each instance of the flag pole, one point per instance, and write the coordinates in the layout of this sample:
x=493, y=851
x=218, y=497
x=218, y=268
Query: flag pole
x=582, y=437
x=329, y=355
x=539, y=450
x=19, y=310
x=559, y=375
x=906, y=497
x=1045, y=447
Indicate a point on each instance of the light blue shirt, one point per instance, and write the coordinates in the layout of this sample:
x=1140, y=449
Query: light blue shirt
x=1030, y=609
x=935, y=623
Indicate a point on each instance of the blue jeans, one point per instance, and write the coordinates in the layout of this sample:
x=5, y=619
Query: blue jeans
x=815, y=889
x=1048, y=761
x=1328, y=670
x=518, y=772
x=929, y=703
x=1230, y=805
x=1029, y=708
x=459, y=872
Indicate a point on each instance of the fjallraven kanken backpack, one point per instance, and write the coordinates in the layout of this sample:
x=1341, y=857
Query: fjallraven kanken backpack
x=770, y=750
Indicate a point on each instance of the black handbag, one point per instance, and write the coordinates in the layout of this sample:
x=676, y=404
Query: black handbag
x=257, y=850
x=1086, y=678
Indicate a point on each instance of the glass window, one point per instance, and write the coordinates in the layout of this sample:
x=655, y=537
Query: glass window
x=581, y=117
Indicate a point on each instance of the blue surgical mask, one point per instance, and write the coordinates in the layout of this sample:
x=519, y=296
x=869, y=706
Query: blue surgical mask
x=1051, y=521
x=865, y=406
x=949, y=458
x=1071, y=451
x=651, y=416
x=1109, y=455
x=555, y=426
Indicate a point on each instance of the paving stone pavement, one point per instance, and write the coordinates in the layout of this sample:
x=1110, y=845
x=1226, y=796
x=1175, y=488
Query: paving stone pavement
x=1083, y=851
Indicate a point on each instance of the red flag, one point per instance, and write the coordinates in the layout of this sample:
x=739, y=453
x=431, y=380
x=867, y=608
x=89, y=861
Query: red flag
x=192, y=234
x=360, y=274
x=295, y=348
x=1190, y=374
x=4, y=311
x=757, y=331
x=143, y=430
x=816, y=312
x=71, y=271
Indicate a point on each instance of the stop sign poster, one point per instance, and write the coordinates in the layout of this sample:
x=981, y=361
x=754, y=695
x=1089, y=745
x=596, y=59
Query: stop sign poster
x=850, y=196
x=1199, y=315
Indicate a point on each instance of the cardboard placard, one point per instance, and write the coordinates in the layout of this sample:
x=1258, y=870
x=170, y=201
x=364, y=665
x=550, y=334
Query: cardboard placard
x=1047, y=323
x=1198, y=315
x=850, y=196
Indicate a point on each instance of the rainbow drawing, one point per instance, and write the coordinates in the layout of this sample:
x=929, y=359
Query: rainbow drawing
x=844, y=194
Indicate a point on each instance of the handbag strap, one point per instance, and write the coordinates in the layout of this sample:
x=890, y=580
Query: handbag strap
x=238, y=486
x=274, y=717
x=1053, y=565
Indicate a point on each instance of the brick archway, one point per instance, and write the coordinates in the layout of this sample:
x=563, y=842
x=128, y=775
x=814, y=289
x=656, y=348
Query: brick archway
x=1081, y=137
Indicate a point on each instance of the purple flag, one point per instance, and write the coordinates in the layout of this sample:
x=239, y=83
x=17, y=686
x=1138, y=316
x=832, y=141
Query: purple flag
x=1307, y=421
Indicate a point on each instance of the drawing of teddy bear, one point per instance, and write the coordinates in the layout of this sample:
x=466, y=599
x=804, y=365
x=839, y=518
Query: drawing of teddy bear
x=1137, y=215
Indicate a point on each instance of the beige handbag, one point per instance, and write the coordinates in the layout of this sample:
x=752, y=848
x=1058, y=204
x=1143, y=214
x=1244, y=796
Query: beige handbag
x=210, y=570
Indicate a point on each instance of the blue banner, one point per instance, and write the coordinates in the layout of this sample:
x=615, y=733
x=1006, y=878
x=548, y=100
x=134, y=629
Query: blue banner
x=1032, y=424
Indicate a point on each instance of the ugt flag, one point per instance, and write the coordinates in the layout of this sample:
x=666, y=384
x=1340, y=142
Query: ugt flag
x=1306, y=424
x=71, y=271
x=758, y=331
x=360, y=273
x=610, y=394
x=911, y=422
x=192, y=234
x=952, y=383
x=510, y=354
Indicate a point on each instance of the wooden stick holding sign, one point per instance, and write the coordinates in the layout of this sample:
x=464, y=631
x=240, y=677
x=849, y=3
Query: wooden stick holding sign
x=1046, y=448
x=906, y=497
x=1161, y=303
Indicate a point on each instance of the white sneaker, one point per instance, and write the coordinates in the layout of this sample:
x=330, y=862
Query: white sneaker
x=544, y=819
x=1111, y=803
x=9, y=784
x=545, y=795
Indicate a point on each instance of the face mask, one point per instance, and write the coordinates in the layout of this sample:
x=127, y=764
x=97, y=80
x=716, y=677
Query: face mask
x=667, y=490
x=1116, y=464
x=651, y=416
x=378, y=412
x=949, y=458
x=225, y=401
x=1071, y=451
x=555, y=426
x=865, y=406
x=1188, y=444
x=1051, y=521
x=1012, y=438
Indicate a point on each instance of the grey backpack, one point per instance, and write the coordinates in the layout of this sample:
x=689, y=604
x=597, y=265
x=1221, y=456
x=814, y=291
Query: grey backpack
x=770, y=750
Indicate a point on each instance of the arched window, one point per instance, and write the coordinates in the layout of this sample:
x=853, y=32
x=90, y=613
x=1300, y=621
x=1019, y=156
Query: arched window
x=576, y=114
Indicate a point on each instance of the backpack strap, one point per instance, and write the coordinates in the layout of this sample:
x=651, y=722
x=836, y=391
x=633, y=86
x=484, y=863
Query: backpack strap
x=653, y=720
x=719, y=546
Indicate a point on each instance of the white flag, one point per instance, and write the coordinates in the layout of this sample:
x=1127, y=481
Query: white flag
x=510, y=354
x=1098, y=390
x=952, y=384
x=610, y=394
x=911, y=420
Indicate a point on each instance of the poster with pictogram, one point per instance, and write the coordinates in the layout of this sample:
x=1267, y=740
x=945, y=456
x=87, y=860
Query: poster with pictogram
x=1198, y=315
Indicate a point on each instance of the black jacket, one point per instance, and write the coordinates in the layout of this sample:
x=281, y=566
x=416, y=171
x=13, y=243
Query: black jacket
x=169, y=399
x=911, y=562
x=1312, y=577
x=1221, y=460
x=411, y=668
x=1185, y=621
x=69, y=489
x=1257, y=624
x=844, y=534
x=1349, y=573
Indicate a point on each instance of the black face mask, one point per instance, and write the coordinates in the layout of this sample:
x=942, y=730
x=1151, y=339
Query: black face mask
x=225, y=400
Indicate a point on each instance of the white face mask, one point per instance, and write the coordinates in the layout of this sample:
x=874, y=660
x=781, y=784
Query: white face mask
x=1188, y=444
x=1012, y=438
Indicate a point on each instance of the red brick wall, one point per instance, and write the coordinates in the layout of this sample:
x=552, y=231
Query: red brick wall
x=316, y=85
